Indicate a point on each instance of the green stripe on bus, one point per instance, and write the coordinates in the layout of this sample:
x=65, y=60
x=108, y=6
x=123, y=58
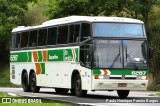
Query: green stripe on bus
x=96, y=72
x=71, y=54
x=20, y=57
x=40, y=56
x=29, y=57
x=122, y=72
x=77, y=54
x=55, y=55
x=43, y=68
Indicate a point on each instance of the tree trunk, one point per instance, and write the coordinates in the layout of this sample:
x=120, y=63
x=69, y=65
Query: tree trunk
x=151, y=79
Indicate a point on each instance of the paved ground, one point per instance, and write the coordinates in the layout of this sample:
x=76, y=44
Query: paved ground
x=92, y=98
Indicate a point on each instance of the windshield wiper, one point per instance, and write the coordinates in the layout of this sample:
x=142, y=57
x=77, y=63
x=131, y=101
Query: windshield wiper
x=132, y=60
x=85, y=41
x=116, y=58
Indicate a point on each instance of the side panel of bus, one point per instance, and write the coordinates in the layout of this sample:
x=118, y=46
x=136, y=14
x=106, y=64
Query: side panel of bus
x=53, y=67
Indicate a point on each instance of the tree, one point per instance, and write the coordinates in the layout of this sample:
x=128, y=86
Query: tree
x=139, y=9
x=154, y=32
x=62, y=8
x=127, y=8
x=12, y=13
x=38, y=9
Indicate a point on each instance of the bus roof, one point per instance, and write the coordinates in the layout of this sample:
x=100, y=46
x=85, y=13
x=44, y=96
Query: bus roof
x=72, y=19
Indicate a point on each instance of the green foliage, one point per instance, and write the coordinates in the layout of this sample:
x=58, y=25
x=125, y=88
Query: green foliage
x=5, y=78
x=38, y=10
x=154, y=87
x=12, y=14
x=153, y=30
x=62, y=8
x=128, y=8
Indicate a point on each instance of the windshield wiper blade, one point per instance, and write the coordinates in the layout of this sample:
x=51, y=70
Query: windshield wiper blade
x=85, y=41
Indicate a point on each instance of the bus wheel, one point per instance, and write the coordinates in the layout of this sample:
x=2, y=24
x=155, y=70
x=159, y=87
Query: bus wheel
x=78, y=87
x=61, y=90
x=123, y=93
x=26, y=87
x=33, y=83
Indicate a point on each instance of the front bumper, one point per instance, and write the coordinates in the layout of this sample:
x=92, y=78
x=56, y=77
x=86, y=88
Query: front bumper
x=103, y=84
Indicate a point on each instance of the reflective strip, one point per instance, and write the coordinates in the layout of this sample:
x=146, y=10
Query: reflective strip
x=35, y=56
x=44, y=55
x=38, y=68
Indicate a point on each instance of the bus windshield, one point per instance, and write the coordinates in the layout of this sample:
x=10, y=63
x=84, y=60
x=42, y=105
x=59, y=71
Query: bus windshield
x=129, y=54
x=118, y=30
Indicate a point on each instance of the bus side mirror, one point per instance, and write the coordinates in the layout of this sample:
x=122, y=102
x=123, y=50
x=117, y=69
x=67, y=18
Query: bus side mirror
x=150, y=52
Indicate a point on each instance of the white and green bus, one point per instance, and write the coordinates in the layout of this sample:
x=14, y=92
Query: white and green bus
x=80, y=54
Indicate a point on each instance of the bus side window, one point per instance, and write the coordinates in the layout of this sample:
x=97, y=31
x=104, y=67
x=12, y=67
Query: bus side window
x=42, y=37
x=24, y=39
x=13, y=42
x=85, y=31
x=18, y=36
x=62, y=34
x=74, y=33
x=52, y=36
x=71, y=34
x=85, y=55
x=33, y=38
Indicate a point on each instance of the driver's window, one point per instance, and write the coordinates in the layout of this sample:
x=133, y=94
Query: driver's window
x=85, y=55
x=85, y=31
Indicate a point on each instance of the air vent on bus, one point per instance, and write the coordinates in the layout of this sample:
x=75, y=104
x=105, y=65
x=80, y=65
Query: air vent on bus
x=13, y=72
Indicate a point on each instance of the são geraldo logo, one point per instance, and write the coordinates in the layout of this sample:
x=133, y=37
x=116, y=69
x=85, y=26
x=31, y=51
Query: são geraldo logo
x=13, y=57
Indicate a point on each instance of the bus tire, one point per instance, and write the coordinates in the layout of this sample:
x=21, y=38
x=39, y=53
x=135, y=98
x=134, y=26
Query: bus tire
x=25, y=86
x=78, y=87
x=61, y=90
x=123, y=93
x=33, y=83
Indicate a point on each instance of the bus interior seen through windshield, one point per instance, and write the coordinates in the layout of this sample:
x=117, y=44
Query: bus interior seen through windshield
x=116, y=53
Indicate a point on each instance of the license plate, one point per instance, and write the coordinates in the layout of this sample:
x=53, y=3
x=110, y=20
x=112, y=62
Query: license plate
x=122, y=85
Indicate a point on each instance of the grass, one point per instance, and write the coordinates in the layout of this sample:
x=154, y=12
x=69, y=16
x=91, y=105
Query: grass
x=5, y=77
x=157, y=94
x=47, y=102
x=4, y=95
x=38, y=104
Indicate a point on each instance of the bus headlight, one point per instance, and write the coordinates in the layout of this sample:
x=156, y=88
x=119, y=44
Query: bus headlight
x=101, y=77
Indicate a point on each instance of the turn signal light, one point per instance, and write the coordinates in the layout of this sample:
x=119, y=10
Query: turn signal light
x=96, y=77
